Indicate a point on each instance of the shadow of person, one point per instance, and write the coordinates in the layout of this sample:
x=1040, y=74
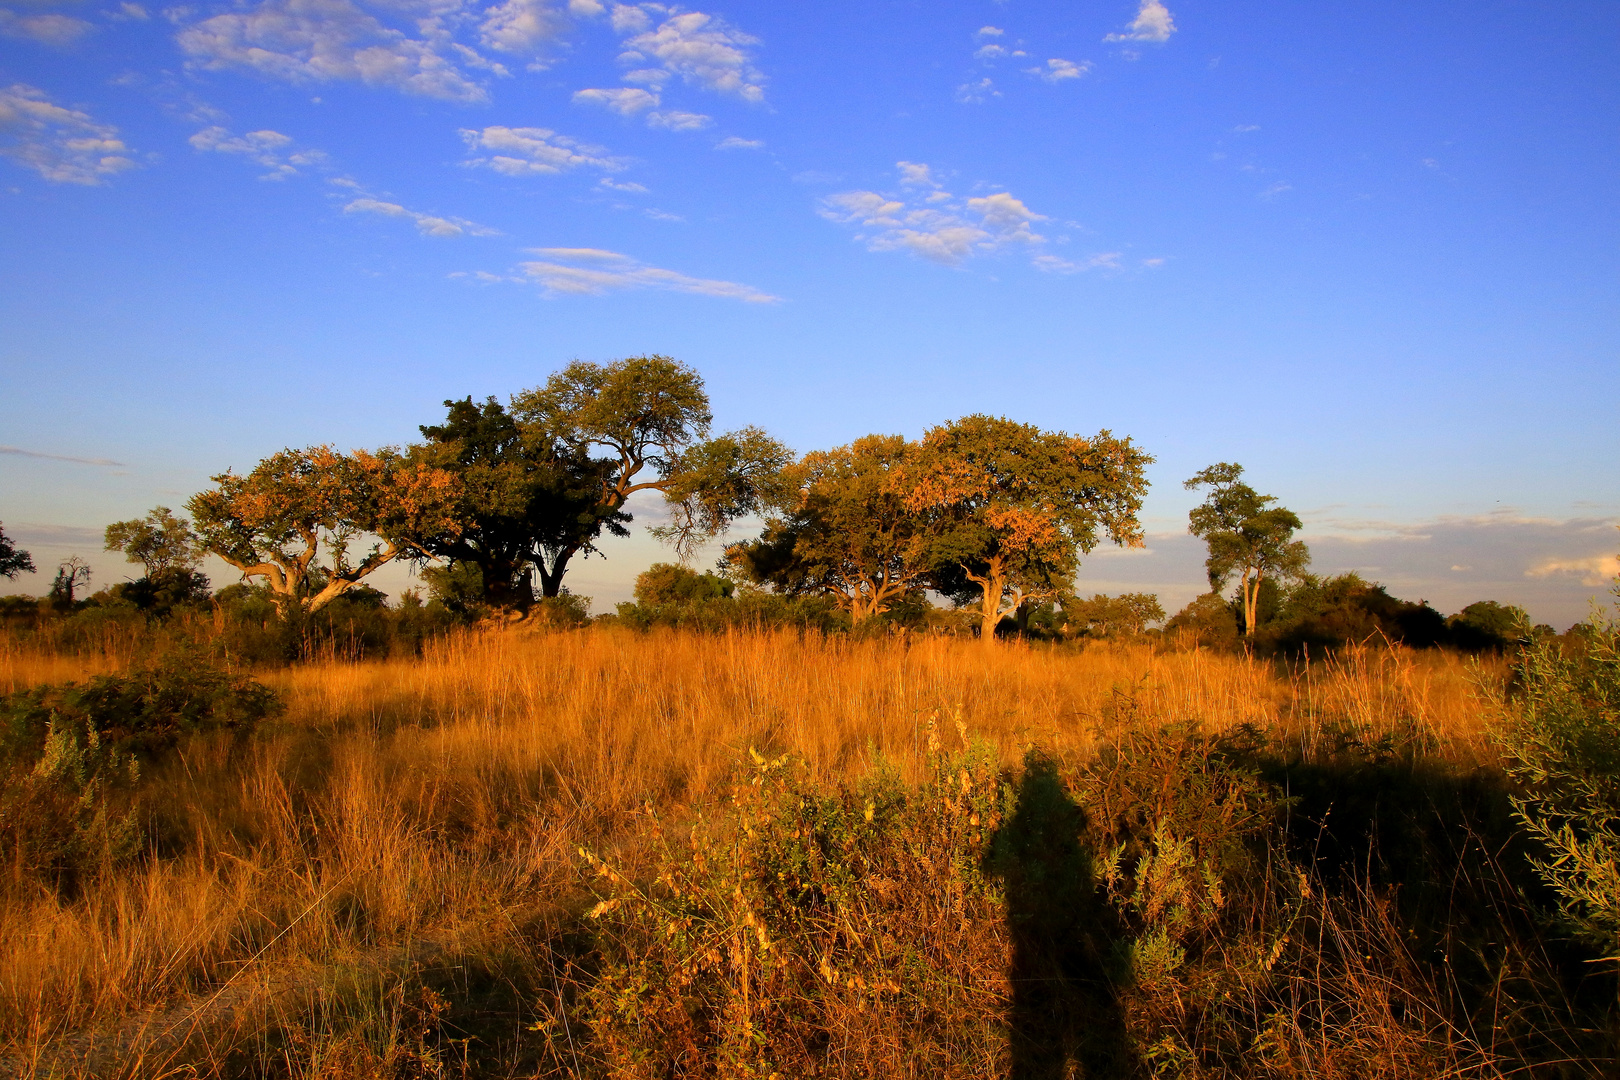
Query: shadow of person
x=1066, y=1022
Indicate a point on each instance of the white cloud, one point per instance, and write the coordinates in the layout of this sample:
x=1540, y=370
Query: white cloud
x=629, y=186
x=1244, y=129
x=131, y=12
x=654, y=77
x=701, y=49
x=1057, y=70
x=534, y=151
x=629, y=19
x=1052, y=264
x=520, y=27
x=662, y=215
x=675, y=120
x=990, y=31
x=594, y=272
x=1152, y=24
x=990, y=52
x=732, y=142
x=427, y=224
x=1276, y=189
x=322, y=40
x=64, y=146
x=626, y=100
x=47, y=29
x=948, y=232
x=264, y=147
x=1597, y=570
x=974, y=93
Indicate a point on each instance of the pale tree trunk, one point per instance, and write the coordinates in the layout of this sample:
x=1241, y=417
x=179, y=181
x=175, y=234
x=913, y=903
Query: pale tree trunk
x=1251, y=603
x=991, y=611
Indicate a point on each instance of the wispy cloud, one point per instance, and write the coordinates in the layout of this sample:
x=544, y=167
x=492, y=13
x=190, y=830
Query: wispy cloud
x=1057, y=70
x=703, y=50
x=323, y=40
x=944, y=229
x=47, y=29
x=266, y=148
x=594, y=272
x=1152, y=24
x=976, y=92
x=1594, y=570
x=676, y=120
x=426, y=224
x=1052, y=264
x=17, y=451
x=63, y=145
x=528, y=151
x=624, y=100
x=732, y=142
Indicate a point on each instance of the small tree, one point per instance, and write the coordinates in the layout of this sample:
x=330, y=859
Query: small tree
x=849, y=533
x=272, y=523
x=161, y=542
x=1246, y=535
x=71, y=574
x=646, y=413
x=12, y=561
x=1013, y=508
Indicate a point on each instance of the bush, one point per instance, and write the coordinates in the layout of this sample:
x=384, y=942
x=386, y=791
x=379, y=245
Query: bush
x=145, y=711
x=1560, y=734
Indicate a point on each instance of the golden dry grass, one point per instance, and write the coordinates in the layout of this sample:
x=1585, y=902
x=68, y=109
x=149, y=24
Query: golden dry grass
x=439, y=800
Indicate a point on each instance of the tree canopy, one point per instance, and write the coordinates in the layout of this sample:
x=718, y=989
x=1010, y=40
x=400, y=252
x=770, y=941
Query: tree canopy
x=272, y=523
x=161, y=542
x=614, y=423
x=12, y=561
x=1013, y=507
x=848, y=532
x=1247, y=536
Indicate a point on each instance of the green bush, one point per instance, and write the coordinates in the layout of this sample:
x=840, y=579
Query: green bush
x=1559, y=730
x=144, y=711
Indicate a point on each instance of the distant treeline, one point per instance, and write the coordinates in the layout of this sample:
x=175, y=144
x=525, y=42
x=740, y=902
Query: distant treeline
x=979, y=527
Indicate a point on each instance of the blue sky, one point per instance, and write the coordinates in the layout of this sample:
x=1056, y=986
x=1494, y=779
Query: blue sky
x=1368, y=250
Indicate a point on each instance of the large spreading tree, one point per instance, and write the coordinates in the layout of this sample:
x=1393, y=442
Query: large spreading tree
x=273, y=522
x=1012, y=508
x=642, y=424
x=847, y=531
x=519, y=493
x=1247, y=536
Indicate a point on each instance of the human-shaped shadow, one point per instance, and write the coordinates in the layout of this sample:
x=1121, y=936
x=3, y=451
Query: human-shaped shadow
x=1066, y=1022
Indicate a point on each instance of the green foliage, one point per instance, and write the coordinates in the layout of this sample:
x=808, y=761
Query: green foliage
x=12, y=561
x=1489, y=625
x=65, y=807
x=1108, y=616
x=272, y=523
x=672, y=583
x=1013, y=507
x=1210, y=619
x=522, y=495
x=848, y=532
x=1318, y=614
x=161, y=542
x=144, y=711
x=1560, y=736
x=1247, y=536
x=804, y=927
x=614, y=422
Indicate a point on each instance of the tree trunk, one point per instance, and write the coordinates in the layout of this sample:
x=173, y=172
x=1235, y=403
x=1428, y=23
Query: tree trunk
x=551, y=578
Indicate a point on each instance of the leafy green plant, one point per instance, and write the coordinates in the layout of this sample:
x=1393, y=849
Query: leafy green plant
x=1560, y=736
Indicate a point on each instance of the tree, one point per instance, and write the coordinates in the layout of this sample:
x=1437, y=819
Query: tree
x=1013, y=507
x=1246, y=535
x=646, y=412
x=663, y=583
x=519, y=493
x=1128, y=613
x=70, y=575
x=12, y=561
x=849, y=533
x=162, y=543
x=273, y=522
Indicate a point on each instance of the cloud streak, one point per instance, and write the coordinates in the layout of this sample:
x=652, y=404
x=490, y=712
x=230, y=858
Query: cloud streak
x=595, y=272
x=262, y=147
x=17, y=451
x=529, y=151
x=65, y=146
x=426, y=224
